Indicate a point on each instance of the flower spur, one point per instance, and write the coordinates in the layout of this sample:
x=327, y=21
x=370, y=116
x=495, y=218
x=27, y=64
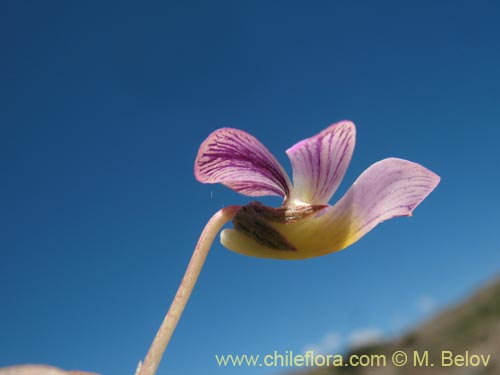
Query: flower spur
x=306, y=225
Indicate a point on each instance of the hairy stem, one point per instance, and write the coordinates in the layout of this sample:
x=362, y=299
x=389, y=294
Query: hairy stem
x=162, y=338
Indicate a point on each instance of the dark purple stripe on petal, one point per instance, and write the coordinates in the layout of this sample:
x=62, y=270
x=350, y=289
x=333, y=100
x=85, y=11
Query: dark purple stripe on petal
x=239, y=161
x=319, y=163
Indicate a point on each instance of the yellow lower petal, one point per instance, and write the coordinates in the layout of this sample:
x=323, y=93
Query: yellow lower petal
x=311, y=237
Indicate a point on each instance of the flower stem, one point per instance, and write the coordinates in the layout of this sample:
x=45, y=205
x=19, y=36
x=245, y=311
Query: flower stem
x=162, y=338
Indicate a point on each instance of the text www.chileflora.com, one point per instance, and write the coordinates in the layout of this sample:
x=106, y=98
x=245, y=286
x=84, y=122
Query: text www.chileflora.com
x=399, y=358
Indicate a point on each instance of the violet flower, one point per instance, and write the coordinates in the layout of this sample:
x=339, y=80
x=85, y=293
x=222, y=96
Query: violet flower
x=306, y=225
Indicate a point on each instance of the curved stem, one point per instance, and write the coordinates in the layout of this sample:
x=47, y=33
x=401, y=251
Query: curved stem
x=160, y=342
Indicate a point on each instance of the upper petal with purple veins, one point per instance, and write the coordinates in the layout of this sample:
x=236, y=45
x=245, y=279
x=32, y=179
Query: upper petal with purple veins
x=239, y=161
x=319, y=163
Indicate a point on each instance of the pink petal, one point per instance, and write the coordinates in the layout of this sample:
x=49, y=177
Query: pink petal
x=389, y=188
x=239, y=161
x=319, y=163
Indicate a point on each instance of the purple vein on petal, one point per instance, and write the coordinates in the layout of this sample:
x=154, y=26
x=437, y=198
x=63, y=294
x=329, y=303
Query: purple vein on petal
x=239, y=161
x=319, y=163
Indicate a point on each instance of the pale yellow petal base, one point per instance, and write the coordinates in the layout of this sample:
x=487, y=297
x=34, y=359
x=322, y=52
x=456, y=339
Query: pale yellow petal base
x=311, y=238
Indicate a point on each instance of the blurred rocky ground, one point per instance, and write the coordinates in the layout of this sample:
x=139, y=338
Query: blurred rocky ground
x=467, y=330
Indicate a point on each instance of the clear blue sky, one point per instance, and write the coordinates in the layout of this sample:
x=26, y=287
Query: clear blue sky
x=103, y=107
